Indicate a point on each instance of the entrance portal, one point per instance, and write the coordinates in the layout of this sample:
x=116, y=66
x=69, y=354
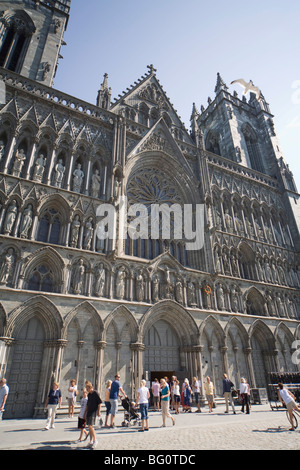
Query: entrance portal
x=162, y=350
x=24, y=370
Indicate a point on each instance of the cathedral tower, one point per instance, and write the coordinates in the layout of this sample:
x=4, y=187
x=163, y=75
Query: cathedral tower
x=31, y=36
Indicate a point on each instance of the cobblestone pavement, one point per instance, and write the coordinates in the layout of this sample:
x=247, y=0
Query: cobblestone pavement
x=263, y=429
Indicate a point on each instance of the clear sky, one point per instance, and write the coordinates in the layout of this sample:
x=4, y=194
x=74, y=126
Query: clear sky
x=188, y=42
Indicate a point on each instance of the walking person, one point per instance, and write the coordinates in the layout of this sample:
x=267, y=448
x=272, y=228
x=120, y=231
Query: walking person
x=72, y=393
x=187, y=392
x=209, y=392
x=196, y=386
x=227, y=392
x=245, y=395
x=143, y=396
x=115, y=389
x=165, y=402
x=81, y=417
x=93, y=409
x=289, y=400
x=53, y=401
x=4, y=391
x=156, y=394
x=177, y=396
x=107, y=402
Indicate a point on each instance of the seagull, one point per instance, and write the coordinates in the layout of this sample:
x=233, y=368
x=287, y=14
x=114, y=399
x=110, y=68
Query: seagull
x=248, y=87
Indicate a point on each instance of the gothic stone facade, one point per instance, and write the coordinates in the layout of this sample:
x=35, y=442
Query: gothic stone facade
x=72, y=306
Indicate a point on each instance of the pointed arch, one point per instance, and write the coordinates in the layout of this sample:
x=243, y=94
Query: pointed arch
x=38, y=306
x=3, y=319
x=127, y=314
x=177, y=316
x=216, y=329
x=98, y=325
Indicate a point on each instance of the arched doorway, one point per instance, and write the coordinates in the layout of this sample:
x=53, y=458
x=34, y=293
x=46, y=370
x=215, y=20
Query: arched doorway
x=162, y=351
x=24, y=370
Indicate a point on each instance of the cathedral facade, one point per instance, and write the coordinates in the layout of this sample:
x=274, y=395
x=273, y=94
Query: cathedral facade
x=75, y=305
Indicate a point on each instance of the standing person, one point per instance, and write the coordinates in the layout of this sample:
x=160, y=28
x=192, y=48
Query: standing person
x=156, y=394
x=187, y=396
x=107, y=402
x=4, y=391
x=196, y=385
x=165, y=402
x=93, y=409
x=172, y=385
x=72, y=393
x=143, y=396
x=289, y=400
x=53, y=402
x=245, y=394
x=81, y=419
x=227, y=387
x=209, y=392
x=177, y=396
x=115, y=388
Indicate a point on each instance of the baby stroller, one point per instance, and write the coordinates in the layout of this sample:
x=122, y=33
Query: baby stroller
x=130, y=413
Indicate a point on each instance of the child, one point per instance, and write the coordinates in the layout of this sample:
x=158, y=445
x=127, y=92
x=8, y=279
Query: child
x=81, y=419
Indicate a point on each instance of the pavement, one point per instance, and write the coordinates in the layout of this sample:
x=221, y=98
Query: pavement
x=262, y=429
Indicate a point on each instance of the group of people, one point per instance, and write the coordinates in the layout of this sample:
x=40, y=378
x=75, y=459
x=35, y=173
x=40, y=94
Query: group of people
x=166, y=393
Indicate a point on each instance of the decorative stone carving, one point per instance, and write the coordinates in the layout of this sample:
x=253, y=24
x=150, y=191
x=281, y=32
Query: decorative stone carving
x=78, y=176
x=75, y=228
x=120, y=283
x=100, y=275
x=139, y=287
x=179, y=290
x=26, y=222
x=155, y=288
x=6, y=267
x=18, y=163
x=39, y=168
x=96, y=181
x=10, y=219
x=78, y=277
x=191, y=294
x=220, y=297
x=59, y=172
x=88, y=234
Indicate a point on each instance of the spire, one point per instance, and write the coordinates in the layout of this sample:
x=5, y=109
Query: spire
x=221, y=85
x=195, y=113
x=104, y=94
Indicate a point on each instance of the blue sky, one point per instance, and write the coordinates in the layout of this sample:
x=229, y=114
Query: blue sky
x=189, y=42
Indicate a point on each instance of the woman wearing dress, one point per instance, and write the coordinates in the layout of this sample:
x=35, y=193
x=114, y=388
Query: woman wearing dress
x=209, y=392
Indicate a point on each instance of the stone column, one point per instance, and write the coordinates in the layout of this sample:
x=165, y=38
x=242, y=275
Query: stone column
x=60, y=345
x=100, y=346
x=249, y=361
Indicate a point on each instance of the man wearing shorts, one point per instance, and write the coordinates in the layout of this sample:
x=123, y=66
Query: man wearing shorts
x=288, y=399
x=93, y=409
x=156, y=394
x=115, y=388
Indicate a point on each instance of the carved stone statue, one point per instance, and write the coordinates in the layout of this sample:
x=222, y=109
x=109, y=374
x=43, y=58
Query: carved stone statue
x=179, y=291
x=39, y=168
x=6, y=266
x=218, y=267
x=234, y=299
x=100, y=281
x=26, y=222
x=120, y=283
x=78, y=277
x=10, y=219
x=75, y=228
x=19, y=162
x=220, y=297
x=59, y=172
x=2, y=149
x=155, y=288
x=139, y=287
x=191, y=294
x=88, y=234
x=228, y=221
x=78, y=176
x=96, y=180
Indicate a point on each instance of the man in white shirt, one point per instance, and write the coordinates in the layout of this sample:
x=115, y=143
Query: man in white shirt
x=4, y=390
x=72, y=392
x=196, y=386
x=288, y=399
